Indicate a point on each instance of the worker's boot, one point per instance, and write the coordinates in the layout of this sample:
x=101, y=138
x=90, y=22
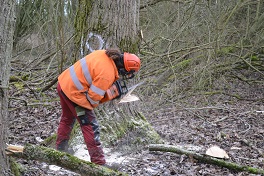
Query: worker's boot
x=97, y=155
x=64, y=147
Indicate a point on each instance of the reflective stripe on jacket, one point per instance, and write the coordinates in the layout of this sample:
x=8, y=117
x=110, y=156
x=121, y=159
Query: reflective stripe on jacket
x=86, y=81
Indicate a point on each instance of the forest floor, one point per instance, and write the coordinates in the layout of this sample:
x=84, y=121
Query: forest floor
x=236, y=127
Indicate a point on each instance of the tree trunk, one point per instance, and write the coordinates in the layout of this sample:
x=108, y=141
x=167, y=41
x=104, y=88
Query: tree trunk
x=204, y=158
x=51, y=156
x=102, y=24
x=6, y=43
x=120, y=19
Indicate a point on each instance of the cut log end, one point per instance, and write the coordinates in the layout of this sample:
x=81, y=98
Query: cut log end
x=11, y=149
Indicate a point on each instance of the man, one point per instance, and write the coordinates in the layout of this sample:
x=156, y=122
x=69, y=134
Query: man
x=86, y=84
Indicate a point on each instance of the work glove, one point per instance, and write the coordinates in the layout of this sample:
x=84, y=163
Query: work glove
x=114, y=92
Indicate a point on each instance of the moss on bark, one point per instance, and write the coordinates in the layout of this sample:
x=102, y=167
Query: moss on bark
x=135, y=126
x=205, y=159
x=15, y=167
x=51, y=156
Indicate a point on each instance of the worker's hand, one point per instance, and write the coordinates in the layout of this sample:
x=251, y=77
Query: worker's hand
x=115, y=91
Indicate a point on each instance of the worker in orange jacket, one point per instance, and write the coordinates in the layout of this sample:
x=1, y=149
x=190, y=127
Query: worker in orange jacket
x=91, y=81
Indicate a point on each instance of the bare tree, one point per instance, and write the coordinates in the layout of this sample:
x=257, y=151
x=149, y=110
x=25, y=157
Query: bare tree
x=6, y=41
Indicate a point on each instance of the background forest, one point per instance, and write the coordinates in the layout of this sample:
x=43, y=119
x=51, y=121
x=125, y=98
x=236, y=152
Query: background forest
x=202, y=67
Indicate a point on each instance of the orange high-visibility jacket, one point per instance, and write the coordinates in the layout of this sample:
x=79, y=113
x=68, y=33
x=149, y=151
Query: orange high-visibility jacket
x=86, y=82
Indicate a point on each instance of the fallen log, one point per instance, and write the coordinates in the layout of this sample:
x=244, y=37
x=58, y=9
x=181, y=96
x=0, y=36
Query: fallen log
x=65, y=160
x=204, y=158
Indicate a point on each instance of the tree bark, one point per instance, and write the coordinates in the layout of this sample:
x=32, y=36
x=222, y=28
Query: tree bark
x=112, y=24
x=121, y=17
x=51, y=156
x=204, y=158
x=6, y=43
